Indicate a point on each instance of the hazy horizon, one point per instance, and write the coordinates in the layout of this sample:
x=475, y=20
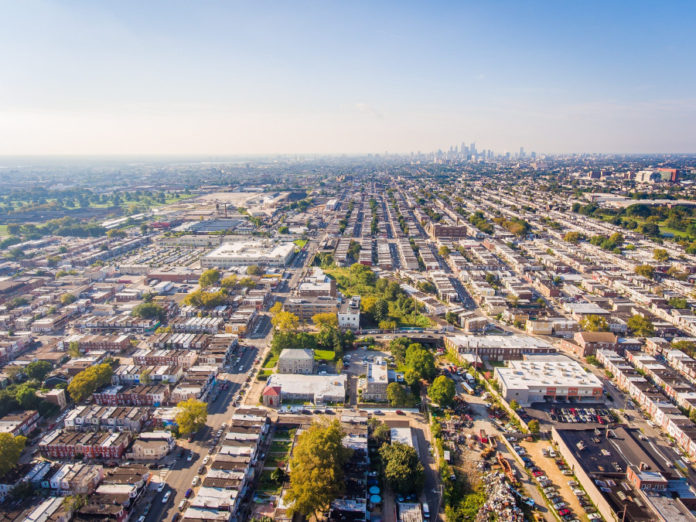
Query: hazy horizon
x=237, y=79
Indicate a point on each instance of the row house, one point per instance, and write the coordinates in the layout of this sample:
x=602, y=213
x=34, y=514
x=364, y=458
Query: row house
x=12, y=347
x=96, y=418
x=165, y=357
x=651, y=399
x=137, y=374
x=208, y=325
x=75, y=479
x=180, y=341
x=138, y=395
x=242, y=321
x=21, y=423
x=124, y=323
x=108, y=343
x=62, y=444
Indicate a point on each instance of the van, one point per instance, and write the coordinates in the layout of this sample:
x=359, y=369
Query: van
x=426, y=511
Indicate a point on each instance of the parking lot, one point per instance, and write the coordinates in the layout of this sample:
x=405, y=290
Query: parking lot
x=569, y=413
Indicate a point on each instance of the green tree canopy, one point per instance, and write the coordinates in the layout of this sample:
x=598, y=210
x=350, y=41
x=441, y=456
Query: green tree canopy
x=420, y=361
x=316, y=468
x=38, y=370
x=89, y=380
x=209, y=278
x=442, y=391
x=402, y=468
x=10, y=450
x=191, y=416
x=594, y=323
x=640, y=325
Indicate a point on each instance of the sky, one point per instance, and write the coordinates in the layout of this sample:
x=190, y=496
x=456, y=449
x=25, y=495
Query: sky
x=298, y=77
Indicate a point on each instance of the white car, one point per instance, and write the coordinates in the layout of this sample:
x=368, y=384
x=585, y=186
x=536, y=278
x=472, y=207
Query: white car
x=160, y=488
x=206, y=459
x=189, y=457
x=166, y=496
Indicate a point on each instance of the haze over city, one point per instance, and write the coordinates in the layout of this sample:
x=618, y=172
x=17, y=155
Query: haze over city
x=360, y=77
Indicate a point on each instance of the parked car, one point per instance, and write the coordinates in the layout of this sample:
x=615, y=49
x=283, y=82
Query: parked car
x=166, y=496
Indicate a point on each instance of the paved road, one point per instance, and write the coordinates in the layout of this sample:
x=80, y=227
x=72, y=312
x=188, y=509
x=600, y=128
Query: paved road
x=179, y=478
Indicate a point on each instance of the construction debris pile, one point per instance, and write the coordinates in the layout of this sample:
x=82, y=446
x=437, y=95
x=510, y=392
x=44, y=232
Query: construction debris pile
x=499, y=500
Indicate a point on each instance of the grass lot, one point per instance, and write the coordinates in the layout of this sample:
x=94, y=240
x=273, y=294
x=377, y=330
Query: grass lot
x=324, y=355
x=265, y=373
x=274, y=460
x=280, y=446
x=271, y=361
x=300, y=243
x=3, y=230
x=284, y=434
x=267, y=484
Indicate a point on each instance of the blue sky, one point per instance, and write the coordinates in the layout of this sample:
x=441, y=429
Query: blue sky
x=91, y=77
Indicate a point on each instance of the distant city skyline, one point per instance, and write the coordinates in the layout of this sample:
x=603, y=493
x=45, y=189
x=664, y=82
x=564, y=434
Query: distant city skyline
x=239, y=78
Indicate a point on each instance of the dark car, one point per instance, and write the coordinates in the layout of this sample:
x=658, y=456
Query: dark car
x=399, y=412
x=188, y=493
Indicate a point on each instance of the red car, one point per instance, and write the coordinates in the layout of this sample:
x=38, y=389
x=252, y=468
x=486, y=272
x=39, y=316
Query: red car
x=563, y=512
x=537, y=473
x=399, y=412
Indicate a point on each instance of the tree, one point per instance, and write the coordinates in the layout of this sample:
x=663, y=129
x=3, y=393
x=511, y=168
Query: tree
x=191, y=416
x=451, y=318
x=150, y=311
x=397, y=347
x=339, y=366
x=678, y=302
x=594, y=323
x=387, y=325
x=325, y=320
x=14, y=372
x=209, y=278
x=254, y=270
x=573, y=237
x=380, y=310
x=229, y=282
x=640, y=325
x=277, y=307
x=85, y=383
x=645, y=271
x=74, y=349
x=402, y=468
x=399, y=395
x=420, y=361
x=442, y=391
x=38, y=370
x=660, y=254
x=316, y=468
x=380, y=433
x=285, y=321
x=278, y=475
x=533, y=426
x=67, y=299
x=514, y=405
x=444, y=251
x=10, y=450
x=74, y=503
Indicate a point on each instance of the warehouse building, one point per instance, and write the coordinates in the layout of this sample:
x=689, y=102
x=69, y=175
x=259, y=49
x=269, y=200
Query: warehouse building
x=541, y=378
x=252, y=252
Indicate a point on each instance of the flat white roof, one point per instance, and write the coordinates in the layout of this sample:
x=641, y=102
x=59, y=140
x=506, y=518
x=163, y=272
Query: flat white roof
x=556, y=371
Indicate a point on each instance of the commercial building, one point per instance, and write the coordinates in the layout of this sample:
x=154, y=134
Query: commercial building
x=315, y=388
x=547, y=378
x=498, y=347
x=349, y=314
x=295, y=360
x=252, y=252
x=624, y=478
x=305, y=308
x=376, y=382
